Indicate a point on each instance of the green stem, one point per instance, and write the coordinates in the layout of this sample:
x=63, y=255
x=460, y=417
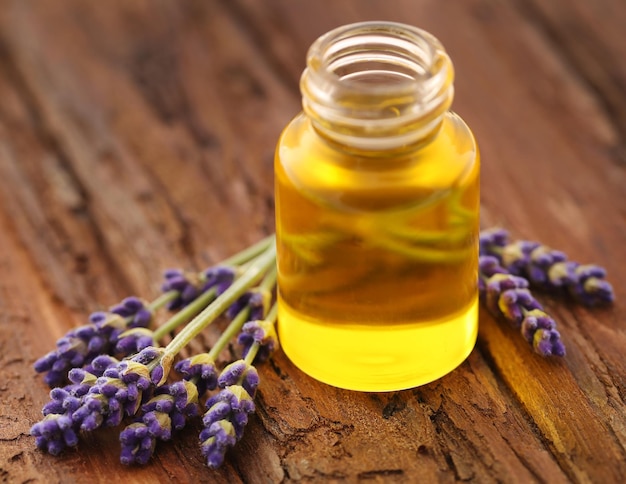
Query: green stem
x=252, y=353
x=162, y=300
x=184, y=314
x=229, y=333
x=258, y=267
x=269, y=281
x=249, y=253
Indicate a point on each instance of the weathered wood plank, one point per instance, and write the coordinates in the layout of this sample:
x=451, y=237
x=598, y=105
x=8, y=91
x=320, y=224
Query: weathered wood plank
x=132, y=136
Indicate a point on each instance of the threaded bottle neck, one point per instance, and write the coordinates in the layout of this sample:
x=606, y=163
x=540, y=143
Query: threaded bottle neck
x=377, y=85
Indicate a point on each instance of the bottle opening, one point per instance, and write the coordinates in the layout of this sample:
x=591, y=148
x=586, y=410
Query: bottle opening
x=377, y=84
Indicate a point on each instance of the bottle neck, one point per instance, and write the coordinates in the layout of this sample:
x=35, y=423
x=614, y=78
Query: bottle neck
x=377, y=85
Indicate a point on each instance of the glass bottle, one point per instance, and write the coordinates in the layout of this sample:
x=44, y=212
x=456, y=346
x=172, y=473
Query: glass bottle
x=377, y=208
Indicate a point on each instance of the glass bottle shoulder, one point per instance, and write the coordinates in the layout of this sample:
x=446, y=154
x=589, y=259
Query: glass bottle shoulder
x=336, y=174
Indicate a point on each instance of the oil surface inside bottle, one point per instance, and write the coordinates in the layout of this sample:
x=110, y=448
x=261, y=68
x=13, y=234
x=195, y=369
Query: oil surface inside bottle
x=377, y=257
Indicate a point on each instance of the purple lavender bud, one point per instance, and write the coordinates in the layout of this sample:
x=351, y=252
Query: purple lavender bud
x=492, y=238
x=201, y=367
x=216, y=440
x=158, y=424
x=547, y=342
x=167, y=410
x=54, y=433
x=97, y=367
x=251, y=380
x=535, y=320
x=137, y=444
x=134, y=309
x=261, y=332
x=255, y=299
x=157, y=374
x=220, y=277
x=231, y=374
x=134, y=340
x=117, y=393
x=179, y=419
x=589, y=286
x=187, y=284
x=77, y=347
x=218, y=411
x=514, y=303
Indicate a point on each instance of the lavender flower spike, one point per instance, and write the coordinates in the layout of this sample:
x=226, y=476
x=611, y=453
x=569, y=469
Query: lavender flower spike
x=263, y=333
x=224, y=423
x=78, y=347
x=81, y=345
x=134, y=340
x=547, y=268
x=168, y=410
x=58, y=430
x=507, y=296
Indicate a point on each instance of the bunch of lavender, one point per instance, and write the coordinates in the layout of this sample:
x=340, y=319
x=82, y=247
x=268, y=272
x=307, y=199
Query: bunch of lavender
x=103, y=393
x=103, y=390
x=546, y=268
x=123, y=329
x=173, y=404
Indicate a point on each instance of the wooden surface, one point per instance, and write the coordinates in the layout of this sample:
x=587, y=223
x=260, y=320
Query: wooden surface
x=138, y=135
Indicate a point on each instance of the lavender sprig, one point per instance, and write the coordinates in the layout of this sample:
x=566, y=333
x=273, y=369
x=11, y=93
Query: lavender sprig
x=507, y=296
x=547, y=268
x=227, y=412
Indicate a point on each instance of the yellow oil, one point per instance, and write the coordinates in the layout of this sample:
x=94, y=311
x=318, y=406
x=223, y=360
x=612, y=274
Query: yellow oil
x=377, y=257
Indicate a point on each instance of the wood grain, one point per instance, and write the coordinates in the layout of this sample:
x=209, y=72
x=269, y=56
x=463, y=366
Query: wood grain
x=138, y=135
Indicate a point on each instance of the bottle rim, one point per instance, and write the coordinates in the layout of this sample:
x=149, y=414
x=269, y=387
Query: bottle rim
x=375, y=79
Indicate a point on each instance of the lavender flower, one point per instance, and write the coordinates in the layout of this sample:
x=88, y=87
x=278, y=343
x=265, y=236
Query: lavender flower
x=118, y=392
x=507, y=296
x=492, y=240
x=76, y=348
x=547, y=268
x=190, y=285
x=241, y=373
x=81, y=345
x=168, y=410
x=261, y=332
x=134, y=340
x=255, y=299
x=135, y=311
x=585, y=283
x=201, y=369
x=54, y=433
x=58, y=430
